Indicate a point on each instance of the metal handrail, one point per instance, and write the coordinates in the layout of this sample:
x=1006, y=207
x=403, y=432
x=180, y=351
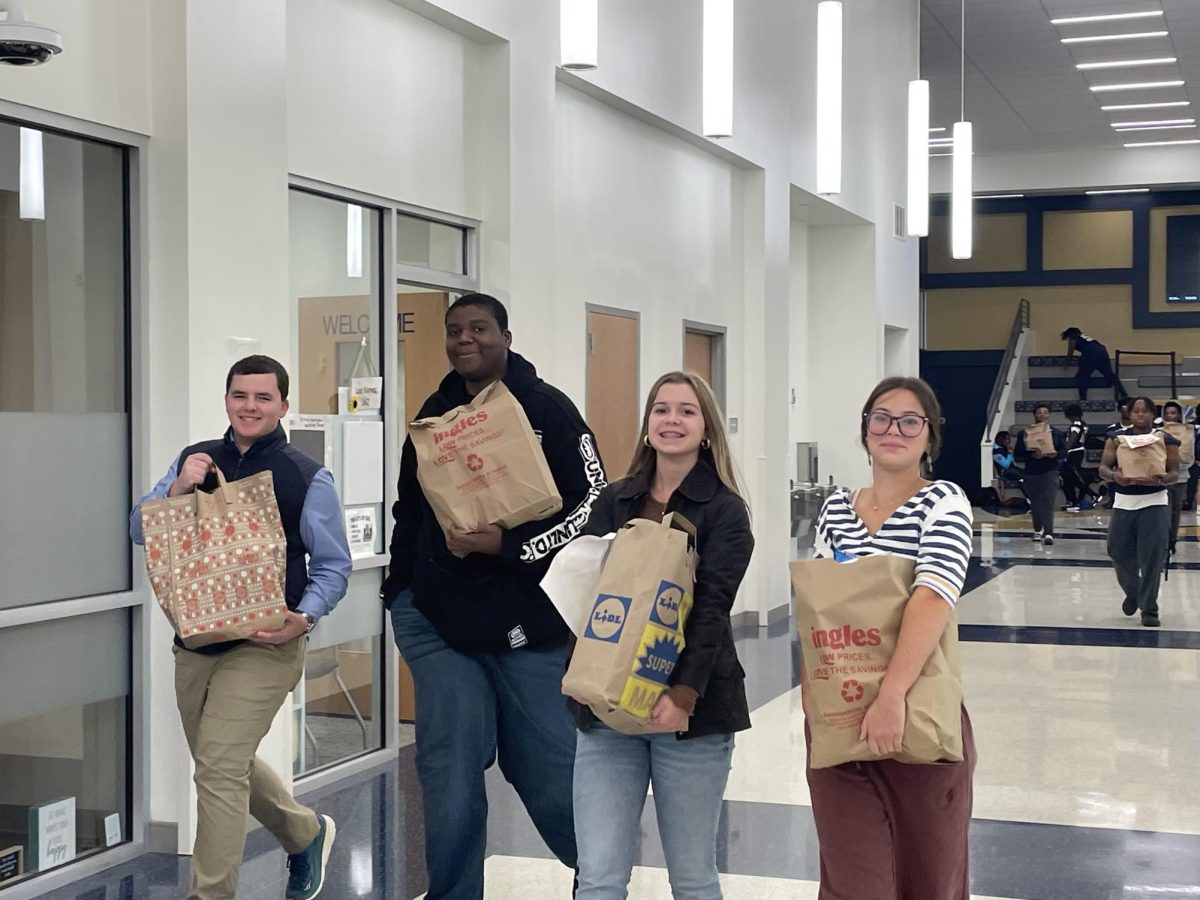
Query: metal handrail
x=1020, y=323
x=1170, y=353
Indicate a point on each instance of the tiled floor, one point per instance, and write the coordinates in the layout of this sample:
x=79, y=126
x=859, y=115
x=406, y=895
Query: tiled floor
x=1087, y=725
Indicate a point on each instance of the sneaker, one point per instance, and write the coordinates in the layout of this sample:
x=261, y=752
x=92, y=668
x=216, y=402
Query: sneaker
x=306, y=869
x=1048, y=540
x=1150, y=620
x=1037, y=537
x=1072, y=508
x=1129, y=606
x=1085, y=505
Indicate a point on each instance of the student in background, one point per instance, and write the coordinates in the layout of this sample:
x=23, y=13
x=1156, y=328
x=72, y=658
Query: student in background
x=1172, y=414
x=1138, y=531
x=1041, y=477
x=1074, y=482
x=1093, y=357
x=1005, y=464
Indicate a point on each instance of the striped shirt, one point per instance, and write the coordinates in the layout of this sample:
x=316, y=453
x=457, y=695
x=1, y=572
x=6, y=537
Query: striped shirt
x=933, y=527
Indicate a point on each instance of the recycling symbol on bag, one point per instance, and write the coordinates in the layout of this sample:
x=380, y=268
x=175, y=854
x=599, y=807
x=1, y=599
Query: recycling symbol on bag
x=474, y=463
x=851, y=690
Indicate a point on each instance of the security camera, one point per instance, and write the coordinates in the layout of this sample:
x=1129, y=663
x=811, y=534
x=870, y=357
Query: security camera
x=25, y=43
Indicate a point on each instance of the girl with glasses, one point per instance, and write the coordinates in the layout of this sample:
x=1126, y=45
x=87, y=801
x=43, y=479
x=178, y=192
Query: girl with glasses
x=885, y=828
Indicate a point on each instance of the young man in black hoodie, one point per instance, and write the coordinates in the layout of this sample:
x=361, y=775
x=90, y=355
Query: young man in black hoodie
x=486, y=647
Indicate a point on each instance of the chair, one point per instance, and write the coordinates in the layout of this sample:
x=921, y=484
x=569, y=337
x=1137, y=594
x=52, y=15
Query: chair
x=319, y=664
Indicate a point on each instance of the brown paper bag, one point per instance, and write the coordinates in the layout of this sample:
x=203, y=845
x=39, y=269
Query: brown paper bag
x=1186, y=435
x=217, y=561
x=623, y=661
x=1039, y=437
x=848, y=615
x=481, y=463
x=1146, y=461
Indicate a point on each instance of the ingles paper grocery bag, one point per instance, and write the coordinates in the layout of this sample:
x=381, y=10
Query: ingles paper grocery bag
x=217, y=561
x=848, y=615
x=481, y=463
x=1039, y=437
x=1142, y=455
x=634, y=632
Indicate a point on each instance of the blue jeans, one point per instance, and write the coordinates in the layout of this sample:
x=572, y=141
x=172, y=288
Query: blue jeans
x=471, y=709
x=689, y=780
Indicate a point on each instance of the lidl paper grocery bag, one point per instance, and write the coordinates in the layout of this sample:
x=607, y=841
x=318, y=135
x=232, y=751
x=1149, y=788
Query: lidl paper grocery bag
x=1142, y=455
x=1186, y=435
x=217, y=561
x=571, y=580
x=481, y=463
x=1039, y=437
x=848, y=615
x=634, y=631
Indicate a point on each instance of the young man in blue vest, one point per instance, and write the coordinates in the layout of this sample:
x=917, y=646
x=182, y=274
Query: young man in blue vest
x=228, y=693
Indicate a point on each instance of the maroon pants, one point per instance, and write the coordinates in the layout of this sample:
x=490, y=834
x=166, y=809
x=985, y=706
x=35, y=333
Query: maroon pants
x=894, y=831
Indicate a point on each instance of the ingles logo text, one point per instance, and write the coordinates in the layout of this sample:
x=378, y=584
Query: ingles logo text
x=608, y=618
x=841, y=638
x=476, y=418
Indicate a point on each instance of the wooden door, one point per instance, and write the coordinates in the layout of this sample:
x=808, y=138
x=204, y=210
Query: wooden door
x=421, y=332
x=613, y=405
x=698, y=354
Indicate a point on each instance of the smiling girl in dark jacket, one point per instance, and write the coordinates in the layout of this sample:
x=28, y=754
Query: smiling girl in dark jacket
x=682, y=464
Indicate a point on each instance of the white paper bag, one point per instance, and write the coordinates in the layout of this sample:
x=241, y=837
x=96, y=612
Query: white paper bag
x=571, y=580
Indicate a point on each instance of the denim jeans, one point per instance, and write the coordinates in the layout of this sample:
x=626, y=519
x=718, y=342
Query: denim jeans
x=471, y=710
x=689, y=779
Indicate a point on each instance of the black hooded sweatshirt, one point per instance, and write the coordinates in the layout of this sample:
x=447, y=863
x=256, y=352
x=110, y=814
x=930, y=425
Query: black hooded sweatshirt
x=483, y=603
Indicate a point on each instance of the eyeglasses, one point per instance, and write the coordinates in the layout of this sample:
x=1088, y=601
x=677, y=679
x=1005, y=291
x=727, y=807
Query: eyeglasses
x=880, y=423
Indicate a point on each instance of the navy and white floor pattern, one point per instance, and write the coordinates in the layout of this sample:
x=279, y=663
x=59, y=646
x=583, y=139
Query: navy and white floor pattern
x=1087, y=788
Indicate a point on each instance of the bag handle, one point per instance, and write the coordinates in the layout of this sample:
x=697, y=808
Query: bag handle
x=227, y=492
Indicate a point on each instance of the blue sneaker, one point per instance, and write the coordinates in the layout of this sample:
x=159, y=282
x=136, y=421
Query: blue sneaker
x=306, y=869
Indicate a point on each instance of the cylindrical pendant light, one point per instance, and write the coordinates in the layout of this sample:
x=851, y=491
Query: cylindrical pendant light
x=962, y=199
x=718, y=69
x=829, y=97
x=33, y=187
x=354, y=241
x=918, y=158
x=578, y=34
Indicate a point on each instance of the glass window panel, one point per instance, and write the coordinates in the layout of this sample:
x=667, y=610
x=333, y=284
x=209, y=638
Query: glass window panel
x=432, y=245
x=64, y=733
x=63, y=372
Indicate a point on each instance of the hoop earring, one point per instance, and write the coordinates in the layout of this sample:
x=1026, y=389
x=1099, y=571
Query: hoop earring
x=705, y=443
x=646, y=440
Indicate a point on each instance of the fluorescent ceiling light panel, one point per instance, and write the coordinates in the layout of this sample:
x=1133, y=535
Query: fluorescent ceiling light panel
x=829, y=97
x=32, y=201
x=1135, y=86
x=998, y=196
x=1162, y=143
x=918, y=158
x=1128, y=63
x=1119, y=191
x=718, y=68
x=578, y=39
x=932, y=130
x=1111, y=17
x=1155, y=128
x=1153, y=122
x=354, y=241
x=961, y=199
x=1096, y=38
x=934, y=155
x=1163, y=105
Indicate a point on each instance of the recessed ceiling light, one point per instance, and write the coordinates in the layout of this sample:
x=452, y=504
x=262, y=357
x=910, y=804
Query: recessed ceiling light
x=1112, y=17
x=1157, y=128
x=1163, y=105
x=1147, y=122
x=1129, y=63
x=1163, y=143
x=1119, y=190
x=1096, y=38
x=1134, y=86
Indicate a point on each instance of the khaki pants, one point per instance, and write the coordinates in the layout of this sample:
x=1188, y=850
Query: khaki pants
x=227, y=702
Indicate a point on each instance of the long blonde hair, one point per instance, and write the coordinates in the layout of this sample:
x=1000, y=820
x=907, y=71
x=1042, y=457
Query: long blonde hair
x=717, y=454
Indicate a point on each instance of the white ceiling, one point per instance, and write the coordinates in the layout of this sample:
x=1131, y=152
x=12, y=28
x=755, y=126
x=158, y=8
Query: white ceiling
x=1023, y=92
